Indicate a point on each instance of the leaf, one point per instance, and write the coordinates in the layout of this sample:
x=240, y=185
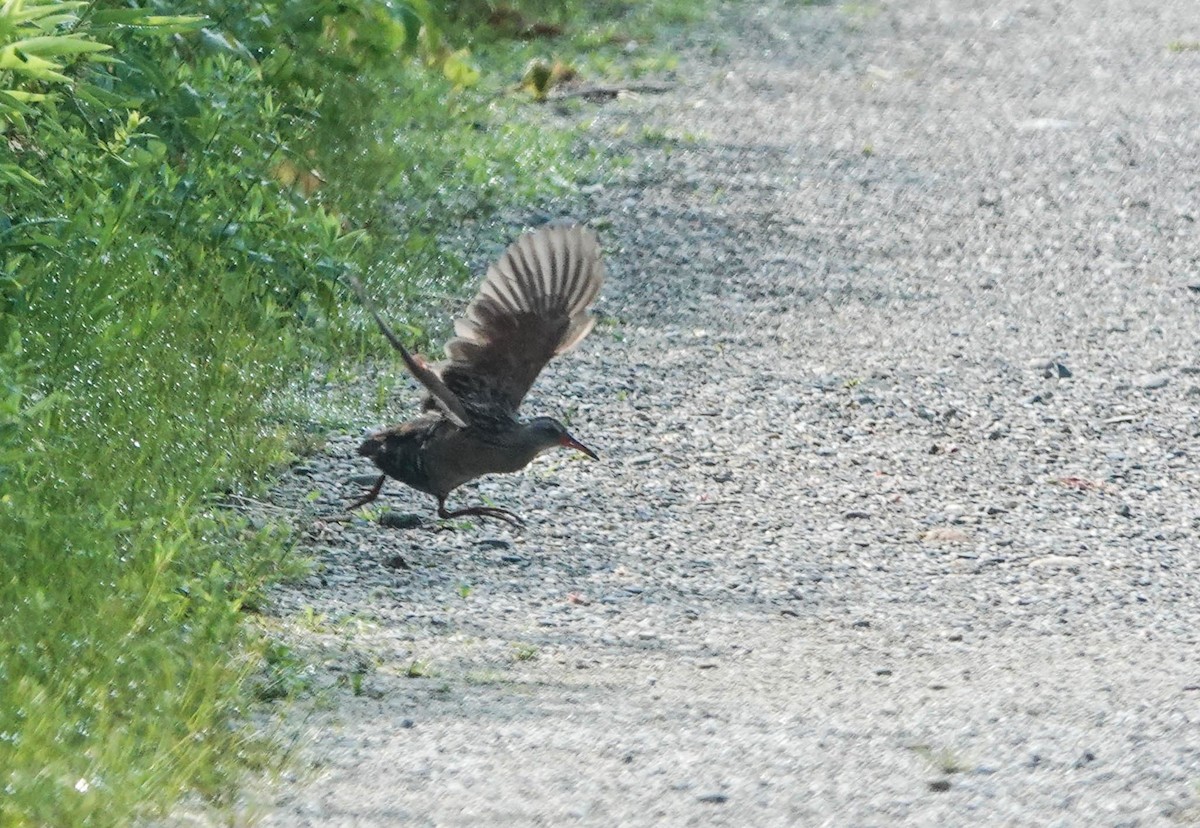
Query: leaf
x=14, y=175
x=23, y=96
x=18, y=14
x=458, y=69
x=31, y=65
x=412, y=23
x=53, y=46
x=138, y=18
x=220, y=42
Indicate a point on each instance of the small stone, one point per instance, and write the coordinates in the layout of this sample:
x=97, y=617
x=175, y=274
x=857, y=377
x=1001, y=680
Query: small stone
x=945, y=534
x=713, y=798
x=723, y=477
x=861, y=624
x=856, y=514
x=883, y=671
x=407, y=724
x=1055, y=562
x=1041, y=363
x=1039, y=124
x=1061, y=371
x=395, y=562
x=1151, y=382
x=303, y=471
x=939, y=785
x=493, y=543
x=642, y=459
x=1124, y=511
x=399, y=520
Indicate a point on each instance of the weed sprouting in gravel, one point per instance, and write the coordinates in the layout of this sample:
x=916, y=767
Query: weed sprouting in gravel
x=525, y=652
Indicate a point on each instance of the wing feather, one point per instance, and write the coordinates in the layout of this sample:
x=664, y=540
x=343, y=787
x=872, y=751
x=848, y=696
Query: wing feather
x=531, y=307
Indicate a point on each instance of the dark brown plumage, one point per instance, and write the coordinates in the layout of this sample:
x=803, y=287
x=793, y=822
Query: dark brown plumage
x=531, y=307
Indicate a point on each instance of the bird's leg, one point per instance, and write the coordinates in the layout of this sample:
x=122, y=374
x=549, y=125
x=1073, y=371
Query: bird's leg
x=479, y=511
x=369, y=496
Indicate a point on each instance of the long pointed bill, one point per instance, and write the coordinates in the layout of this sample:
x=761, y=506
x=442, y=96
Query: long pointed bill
x=570, y=442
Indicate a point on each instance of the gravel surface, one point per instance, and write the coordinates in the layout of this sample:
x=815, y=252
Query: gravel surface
x=897, y=398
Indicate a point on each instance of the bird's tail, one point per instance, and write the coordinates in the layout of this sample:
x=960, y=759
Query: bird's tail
x=371, y=446
x=424, y=374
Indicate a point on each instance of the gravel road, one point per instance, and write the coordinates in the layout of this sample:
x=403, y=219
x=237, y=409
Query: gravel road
x=897, y=393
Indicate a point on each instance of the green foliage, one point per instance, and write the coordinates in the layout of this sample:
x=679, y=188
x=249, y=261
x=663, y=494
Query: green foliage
x=182, y=185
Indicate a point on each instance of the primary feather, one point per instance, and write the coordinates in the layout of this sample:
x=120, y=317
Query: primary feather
x=531, y=307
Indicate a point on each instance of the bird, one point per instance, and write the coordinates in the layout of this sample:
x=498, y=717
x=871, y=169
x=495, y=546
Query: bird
x=531, y=307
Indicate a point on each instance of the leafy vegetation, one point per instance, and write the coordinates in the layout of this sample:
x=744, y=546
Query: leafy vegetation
x=182, y=184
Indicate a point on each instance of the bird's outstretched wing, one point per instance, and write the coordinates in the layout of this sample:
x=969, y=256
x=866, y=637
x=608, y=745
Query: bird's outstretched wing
x=531, y=307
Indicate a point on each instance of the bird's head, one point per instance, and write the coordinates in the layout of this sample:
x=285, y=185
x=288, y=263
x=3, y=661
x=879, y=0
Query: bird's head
x=548, y=433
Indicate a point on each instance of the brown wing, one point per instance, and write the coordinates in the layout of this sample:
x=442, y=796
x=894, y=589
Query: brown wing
x=531, y=307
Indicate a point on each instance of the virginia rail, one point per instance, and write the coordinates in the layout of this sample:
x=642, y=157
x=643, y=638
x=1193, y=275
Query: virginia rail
x=531, y=307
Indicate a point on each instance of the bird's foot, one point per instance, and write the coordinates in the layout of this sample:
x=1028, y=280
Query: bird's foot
x=482, y=511
x=369, y=496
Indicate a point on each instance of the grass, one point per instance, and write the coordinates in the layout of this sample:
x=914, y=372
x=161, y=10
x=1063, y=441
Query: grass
x=419, y=669
x=525, y=652
x=943, y=760
x=174, y=225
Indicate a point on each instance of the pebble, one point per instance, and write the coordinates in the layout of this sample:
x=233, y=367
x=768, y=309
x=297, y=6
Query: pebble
x=1055, y=562
x=393, y=519
x=1152, y=382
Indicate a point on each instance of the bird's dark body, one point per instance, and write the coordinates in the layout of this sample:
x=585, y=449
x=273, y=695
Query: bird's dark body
x=531, y=307
x=434, y=456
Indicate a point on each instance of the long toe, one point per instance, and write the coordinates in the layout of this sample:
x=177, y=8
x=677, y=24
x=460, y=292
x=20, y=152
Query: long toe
x=484, y=511
x=369, y=496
